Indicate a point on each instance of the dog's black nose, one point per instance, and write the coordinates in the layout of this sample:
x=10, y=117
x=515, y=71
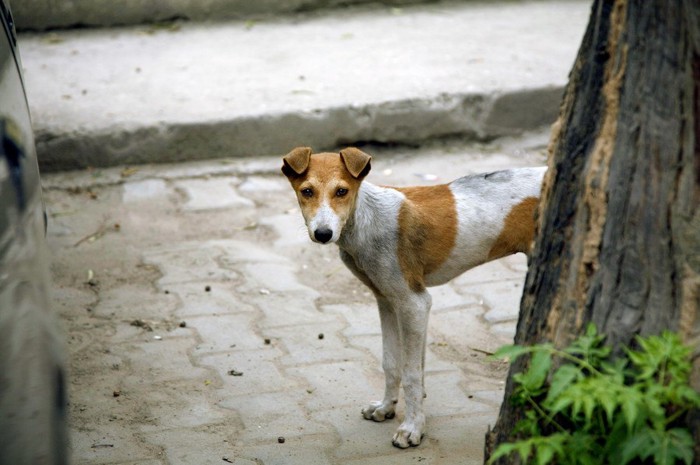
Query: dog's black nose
x=323, y=235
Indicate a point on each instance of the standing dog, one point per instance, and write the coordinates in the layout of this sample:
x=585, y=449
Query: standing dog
x=400, y=240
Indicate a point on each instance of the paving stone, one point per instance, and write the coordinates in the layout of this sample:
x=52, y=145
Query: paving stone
x=211, y=194
x=505, y=330
x=445, y=297
x=253, y=184
x=516, y=263
x=460, y=439
x=495, y=271
x=336, y=385
x=187, y=263
x=446, y=396
x=238, y=252
x=204, y=445
x=460, y=328
x=503, y=300
x=289, y=309
x=195, y=300
x=260, y=372
x=360, y=437
x=146, y=190
x=302, y=450
x=277, y=277
x=289, y=228
x=194, y=408
x=110, y=444
x=143, y=462
x=372, y=343
x=362, y=319
x=423, y=454
x=267, y=416
x=494, y=397
x=164, y=361
x=225, y=333
x=314, y=343
x=298, y=426
x=134, y=301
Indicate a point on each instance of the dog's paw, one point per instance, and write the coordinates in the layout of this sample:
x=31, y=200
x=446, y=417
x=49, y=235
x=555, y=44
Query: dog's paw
x=378, y=411
x=409, y=434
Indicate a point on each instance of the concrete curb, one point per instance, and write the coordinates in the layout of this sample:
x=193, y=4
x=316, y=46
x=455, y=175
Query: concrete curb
x=478, y=117
x=39, y=15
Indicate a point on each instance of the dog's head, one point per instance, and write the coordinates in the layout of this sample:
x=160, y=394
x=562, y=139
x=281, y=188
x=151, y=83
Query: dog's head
x=326, y=185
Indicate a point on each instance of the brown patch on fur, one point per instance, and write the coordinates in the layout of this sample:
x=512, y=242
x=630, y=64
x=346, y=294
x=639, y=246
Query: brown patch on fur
x=427, y=231
x=518, y=230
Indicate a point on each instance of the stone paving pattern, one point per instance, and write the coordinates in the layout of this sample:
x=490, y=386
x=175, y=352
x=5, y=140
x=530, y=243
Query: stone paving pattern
x=203, y=326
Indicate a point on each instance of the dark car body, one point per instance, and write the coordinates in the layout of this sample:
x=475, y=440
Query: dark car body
x=32, y=379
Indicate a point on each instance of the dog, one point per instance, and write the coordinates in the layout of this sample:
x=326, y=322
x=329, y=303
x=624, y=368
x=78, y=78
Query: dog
x=400, y=240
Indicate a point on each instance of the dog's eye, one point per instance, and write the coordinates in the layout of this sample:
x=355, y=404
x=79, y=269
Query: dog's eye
x=341, y=192
x=308, y=192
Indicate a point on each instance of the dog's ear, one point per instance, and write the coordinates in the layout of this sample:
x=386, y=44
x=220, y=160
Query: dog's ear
x=296, y=162
x=356, y=161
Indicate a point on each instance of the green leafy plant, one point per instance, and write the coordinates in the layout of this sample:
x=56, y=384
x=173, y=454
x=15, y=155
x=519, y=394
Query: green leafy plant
x=598, y=409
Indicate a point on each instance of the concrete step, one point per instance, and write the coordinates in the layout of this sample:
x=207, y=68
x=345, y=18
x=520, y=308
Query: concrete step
x=203, y=91
x=39, y=15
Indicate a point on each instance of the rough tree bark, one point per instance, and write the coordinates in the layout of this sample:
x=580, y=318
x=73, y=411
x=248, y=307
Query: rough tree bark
x=618, y=240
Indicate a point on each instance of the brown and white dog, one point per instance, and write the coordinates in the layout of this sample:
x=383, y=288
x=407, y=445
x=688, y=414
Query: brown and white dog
x=400, y=240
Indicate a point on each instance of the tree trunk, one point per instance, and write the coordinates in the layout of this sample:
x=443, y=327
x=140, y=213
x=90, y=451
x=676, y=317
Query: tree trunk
x=618, y=240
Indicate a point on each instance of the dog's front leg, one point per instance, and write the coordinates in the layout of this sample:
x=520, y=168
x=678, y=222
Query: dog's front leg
x=413, y=326
x=391, y=363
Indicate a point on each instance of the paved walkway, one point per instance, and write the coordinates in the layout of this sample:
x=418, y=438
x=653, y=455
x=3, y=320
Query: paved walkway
x=207, y=90
x=205, y=328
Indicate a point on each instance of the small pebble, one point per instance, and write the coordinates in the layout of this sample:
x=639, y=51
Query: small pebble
x=117, y=393
x=235, y=373
x=207, y=288
x=280, y=439
x=320, y=336
x=267, y=341
x=183, y=324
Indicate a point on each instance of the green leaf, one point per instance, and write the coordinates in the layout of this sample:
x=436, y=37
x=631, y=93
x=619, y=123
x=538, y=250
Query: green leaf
x=608, y=400
x=673, y=445
x=631, y=401
x=589, y=404
x=547, y=447
x=589, y=346
x=529, y=425
x=503, y=450
x=562, y=379
x=682, y=444
x=639, y=445
x=687, y=396
x=533, y=379
x=559, y=405
x=582, y=448
x=666, y=447
x=544, y=454
x=511, y=352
